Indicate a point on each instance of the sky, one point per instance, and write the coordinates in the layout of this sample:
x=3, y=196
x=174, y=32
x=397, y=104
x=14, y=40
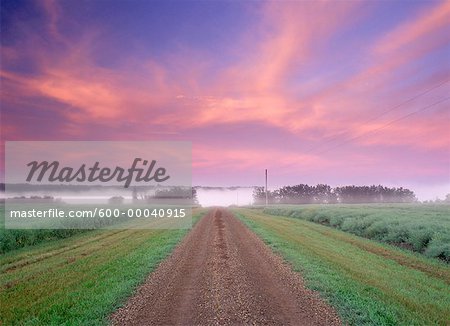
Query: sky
x=336, y=92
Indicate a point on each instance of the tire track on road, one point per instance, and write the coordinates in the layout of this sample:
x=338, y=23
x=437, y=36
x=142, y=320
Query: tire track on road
x=223, y=274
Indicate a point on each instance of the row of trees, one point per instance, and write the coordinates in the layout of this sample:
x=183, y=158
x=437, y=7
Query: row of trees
x=324, y=194
x=172, y=195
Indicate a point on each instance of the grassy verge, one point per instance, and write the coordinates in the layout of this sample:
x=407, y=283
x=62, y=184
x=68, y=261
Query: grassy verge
x=369, y=283
x=82, y=279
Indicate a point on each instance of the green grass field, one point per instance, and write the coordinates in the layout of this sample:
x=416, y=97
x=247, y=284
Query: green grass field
x=419, y=227
x=82, y=279
x=369, y=283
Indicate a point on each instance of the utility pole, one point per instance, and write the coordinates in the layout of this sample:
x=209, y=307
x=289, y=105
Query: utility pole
x=267, y=196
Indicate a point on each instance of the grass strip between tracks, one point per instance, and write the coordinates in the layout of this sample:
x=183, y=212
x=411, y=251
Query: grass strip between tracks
x=369, y=283
x=82, y=279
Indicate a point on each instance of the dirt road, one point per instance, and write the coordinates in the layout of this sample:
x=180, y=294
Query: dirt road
x=223, y=274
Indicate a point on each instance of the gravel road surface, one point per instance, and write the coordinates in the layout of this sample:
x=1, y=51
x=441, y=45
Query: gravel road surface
x=223, y=274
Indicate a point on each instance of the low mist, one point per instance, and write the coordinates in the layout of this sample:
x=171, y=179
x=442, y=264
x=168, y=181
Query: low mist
x=225, y=196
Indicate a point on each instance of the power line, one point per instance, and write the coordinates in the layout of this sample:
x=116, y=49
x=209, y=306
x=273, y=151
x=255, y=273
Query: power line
x=407, y=101
x=385, y=125
x=383, y=113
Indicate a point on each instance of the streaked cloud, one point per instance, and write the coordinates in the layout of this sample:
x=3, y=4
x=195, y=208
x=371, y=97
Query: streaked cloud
x=313, y=75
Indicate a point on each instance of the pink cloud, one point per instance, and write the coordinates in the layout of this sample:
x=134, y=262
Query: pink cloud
x=167, y=99
x=428, y=22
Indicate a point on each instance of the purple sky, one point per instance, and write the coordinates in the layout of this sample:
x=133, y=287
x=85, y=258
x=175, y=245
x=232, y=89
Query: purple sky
x=299, y=88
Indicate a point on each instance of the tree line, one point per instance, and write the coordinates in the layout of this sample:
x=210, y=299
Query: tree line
x=324, y=194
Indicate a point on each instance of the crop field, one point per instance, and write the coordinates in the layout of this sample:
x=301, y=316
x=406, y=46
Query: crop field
x=369, y=283
x=11, y=239
x=421, y=228
x=230, y=266
x=82, y=279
